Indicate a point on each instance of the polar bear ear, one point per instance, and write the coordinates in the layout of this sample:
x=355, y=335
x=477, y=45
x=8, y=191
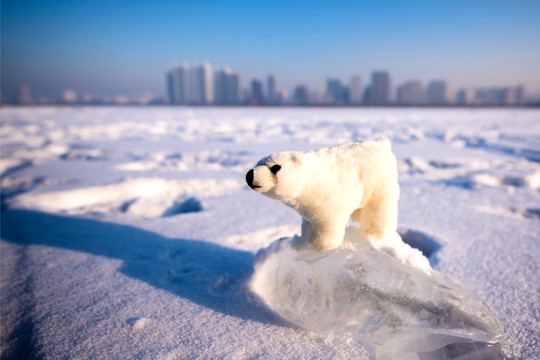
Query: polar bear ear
x=296, y=159
x=384, y=140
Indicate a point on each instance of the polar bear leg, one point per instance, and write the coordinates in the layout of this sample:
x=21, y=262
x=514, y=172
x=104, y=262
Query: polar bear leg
x=378, y=217
x=327, y=236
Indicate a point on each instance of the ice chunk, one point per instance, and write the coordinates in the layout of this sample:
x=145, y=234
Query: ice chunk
x=356, y=290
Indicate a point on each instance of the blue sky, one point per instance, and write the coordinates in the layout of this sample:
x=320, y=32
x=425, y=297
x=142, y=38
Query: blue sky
x=109, y=48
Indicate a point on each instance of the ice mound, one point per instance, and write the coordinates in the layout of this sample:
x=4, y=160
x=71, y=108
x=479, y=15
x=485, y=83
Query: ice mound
x=358, y=291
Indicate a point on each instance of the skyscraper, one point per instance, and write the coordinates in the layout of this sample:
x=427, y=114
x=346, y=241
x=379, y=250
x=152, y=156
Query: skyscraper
x=439, y=93
x=170, y=86
x=500, y=96
x=336, y=93
x=234, y=89
x=201, y=84
x=409, y=93
x=220, y=86
x=301, y=95
x=380, y=88
x=519, y=95
x=356, y=94
x=227, y=87
x=465, y=97
x=271, y=97
x=256, y=93
x=179, y=85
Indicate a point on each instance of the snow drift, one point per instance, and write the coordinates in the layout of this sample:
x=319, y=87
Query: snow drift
x=361, y=292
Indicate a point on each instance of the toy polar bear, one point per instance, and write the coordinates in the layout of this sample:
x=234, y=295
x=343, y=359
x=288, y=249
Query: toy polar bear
x=329, y=186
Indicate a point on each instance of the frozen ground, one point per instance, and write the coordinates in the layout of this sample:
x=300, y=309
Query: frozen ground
x=129, y=233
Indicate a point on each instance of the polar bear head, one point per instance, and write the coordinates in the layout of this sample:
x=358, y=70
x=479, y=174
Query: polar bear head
x=281, y=176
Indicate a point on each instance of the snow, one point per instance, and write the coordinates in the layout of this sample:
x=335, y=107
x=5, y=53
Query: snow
x=130, y=233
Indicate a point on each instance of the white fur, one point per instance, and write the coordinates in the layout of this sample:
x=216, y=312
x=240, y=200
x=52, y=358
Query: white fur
x=329, y=186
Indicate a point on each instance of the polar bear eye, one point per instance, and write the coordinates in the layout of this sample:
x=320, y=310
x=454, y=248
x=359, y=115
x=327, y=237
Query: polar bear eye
x=274, y=169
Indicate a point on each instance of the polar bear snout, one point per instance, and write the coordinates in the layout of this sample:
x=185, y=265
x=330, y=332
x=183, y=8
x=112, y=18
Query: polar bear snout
x=249, y=179
x=250, y=176
x=260, y=179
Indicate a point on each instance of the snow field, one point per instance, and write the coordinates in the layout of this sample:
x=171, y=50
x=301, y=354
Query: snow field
x=129, y=232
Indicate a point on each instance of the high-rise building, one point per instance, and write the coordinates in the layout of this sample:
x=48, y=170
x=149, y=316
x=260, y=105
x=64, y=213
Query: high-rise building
x=409, y=93
x=315, y=96
x=170, y=86
x=379, y=93
x=227, y=87
x=465, y=97
x=184, y=84
x=271, y=95
x=256, y=97
x=282, y=96
x=179, y=85
x=439, y=93
x=201, y=84
x=336, y=93
x=500, y=96
x=220, y=86
x=301, y=95
x=356, y=95
x=234, y=89
x=519, y=95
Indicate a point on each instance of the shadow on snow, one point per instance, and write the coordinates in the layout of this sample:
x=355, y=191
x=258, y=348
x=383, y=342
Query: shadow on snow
x=205, y=273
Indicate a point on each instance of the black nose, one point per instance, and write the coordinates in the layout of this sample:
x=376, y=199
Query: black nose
x=249, y=178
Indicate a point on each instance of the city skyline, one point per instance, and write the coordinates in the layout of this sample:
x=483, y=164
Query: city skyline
x=121, y=48
x=200, y=84
x=185, y=82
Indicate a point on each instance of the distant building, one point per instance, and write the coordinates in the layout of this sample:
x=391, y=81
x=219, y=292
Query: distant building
x=190, y=85
x=500, y=96
x=170, y=81
x=315, y=96
x=519, y=95
x=179, y=85
x=379, y=93
x=465, y=97
x=220, y=86
x=336, y=93
x=227, y=87
x=256, y=97
x=356, y=95
x=271, y=95
x=301, y=95
x=201, y=84
x=409, y=93
x=439, y=93
x=234, y=89
x=282, y=96
x=367, y=95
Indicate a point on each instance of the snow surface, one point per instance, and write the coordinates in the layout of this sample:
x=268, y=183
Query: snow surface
x=130, y=233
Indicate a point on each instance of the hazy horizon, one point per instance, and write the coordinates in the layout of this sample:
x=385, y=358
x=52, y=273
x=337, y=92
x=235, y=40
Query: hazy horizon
x=125, y=48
